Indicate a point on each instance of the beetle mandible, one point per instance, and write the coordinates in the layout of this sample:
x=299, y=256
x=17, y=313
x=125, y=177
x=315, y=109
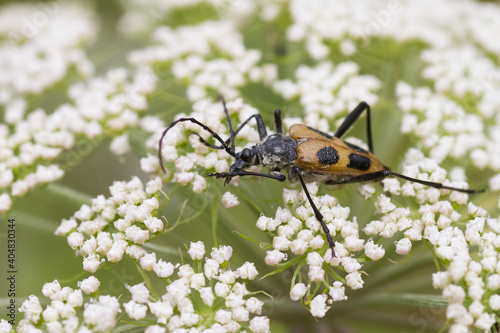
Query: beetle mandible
x=307, y=154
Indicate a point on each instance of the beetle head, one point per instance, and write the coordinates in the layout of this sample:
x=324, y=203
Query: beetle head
x=244, y=159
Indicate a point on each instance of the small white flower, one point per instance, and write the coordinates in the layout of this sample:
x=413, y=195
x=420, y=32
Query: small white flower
x=31, y=309
x=353, y=243
x=494, y=302
x=485, y=321
x=136, y=234
x=384, y=204
x=185, y=271
x=134, y=310
x=75, y=240
x=200, y=184
x=290, y=197
x=240, y=314
x=153, y=224
x=233, y=300
x=51, y=288
x=223, y=316
x=318, y=306
x=299, y=246
x=89, y=285
x=298, y=291
x=374, y=251
x=314, y=259
x=50, y=314
x=197, y=250
x=120, y=145
x=403, y=246
x=211, y=268
x=493, y=282
x=227, y=277
x=454, y=293
x=162, y=310
x=259, y=325
x=207, y=295
x=337, y=292
x=90, y=263
x=263, y=222
x=148, y=261
x=274, y=257
x=350, y=264
x=354, y=280
x=135, y=252
x=154, y=329
x=139, y=292
x=281, y=243
x=230, y=200
x=254, y=305
x=316, y=273
x=222, y=254
x=115, y=254
x=247, y=271
x=222, y=289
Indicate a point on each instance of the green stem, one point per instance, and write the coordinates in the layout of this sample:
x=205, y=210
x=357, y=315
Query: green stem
x=68, y=194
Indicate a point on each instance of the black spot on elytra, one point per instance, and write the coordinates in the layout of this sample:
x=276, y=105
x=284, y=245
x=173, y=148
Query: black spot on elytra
x=359, y=162
x=354, y=147
x=328, y=136
x=328, y=156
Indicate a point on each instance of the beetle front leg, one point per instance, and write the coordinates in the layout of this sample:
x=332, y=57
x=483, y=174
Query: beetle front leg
x=228, y=175
x=315, y=209
x=261, y=128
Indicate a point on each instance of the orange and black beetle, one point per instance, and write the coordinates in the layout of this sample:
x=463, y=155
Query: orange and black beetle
x=307, y=154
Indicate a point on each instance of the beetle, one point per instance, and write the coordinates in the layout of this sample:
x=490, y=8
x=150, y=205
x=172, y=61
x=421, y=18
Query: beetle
x=307, y=154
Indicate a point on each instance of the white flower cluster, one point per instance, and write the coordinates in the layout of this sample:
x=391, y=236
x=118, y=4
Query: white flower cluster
x=325, y=91
x=144, y=15
x=214, y=299
x=433, y=212
x=297, y=230
x=209, y=300
x=190, y=51
x=467, y=278
x=114, y=226
x=321, y=22
x=29, y=146
x=470, y=284
x=62, y=313
x=185, y=154
x=41, y=43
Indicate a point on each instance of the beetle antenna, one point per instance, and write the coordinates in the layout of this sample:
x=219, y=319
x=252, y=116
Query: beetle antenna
x=231, y=132
x=432, y=184
x=205, y=127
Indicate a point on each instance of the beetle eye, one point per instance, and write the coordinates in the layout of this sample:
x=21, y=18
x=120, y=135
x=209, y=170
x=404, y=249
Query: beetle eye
x=246, y=155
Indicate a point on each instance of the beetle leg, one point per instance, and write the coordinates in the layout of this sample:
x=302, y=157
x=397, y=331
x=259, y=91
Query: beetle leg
x=228, y=175
x=379, y=175
x=205, y=127
x=206, y=143
x=230, y=125
x=315, y=209
x=261, y=128
x=278, y=124
x=351, y=118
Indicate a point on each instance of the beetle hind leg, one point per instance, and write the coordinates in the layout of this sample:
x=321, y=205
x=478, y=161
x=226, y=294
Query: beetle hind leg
x=351, y=119
x=315, y=209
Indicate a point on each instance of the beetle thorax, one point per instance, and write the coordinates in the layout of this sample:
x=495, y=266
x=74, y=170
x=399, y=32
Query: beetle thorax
x=277, y=152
